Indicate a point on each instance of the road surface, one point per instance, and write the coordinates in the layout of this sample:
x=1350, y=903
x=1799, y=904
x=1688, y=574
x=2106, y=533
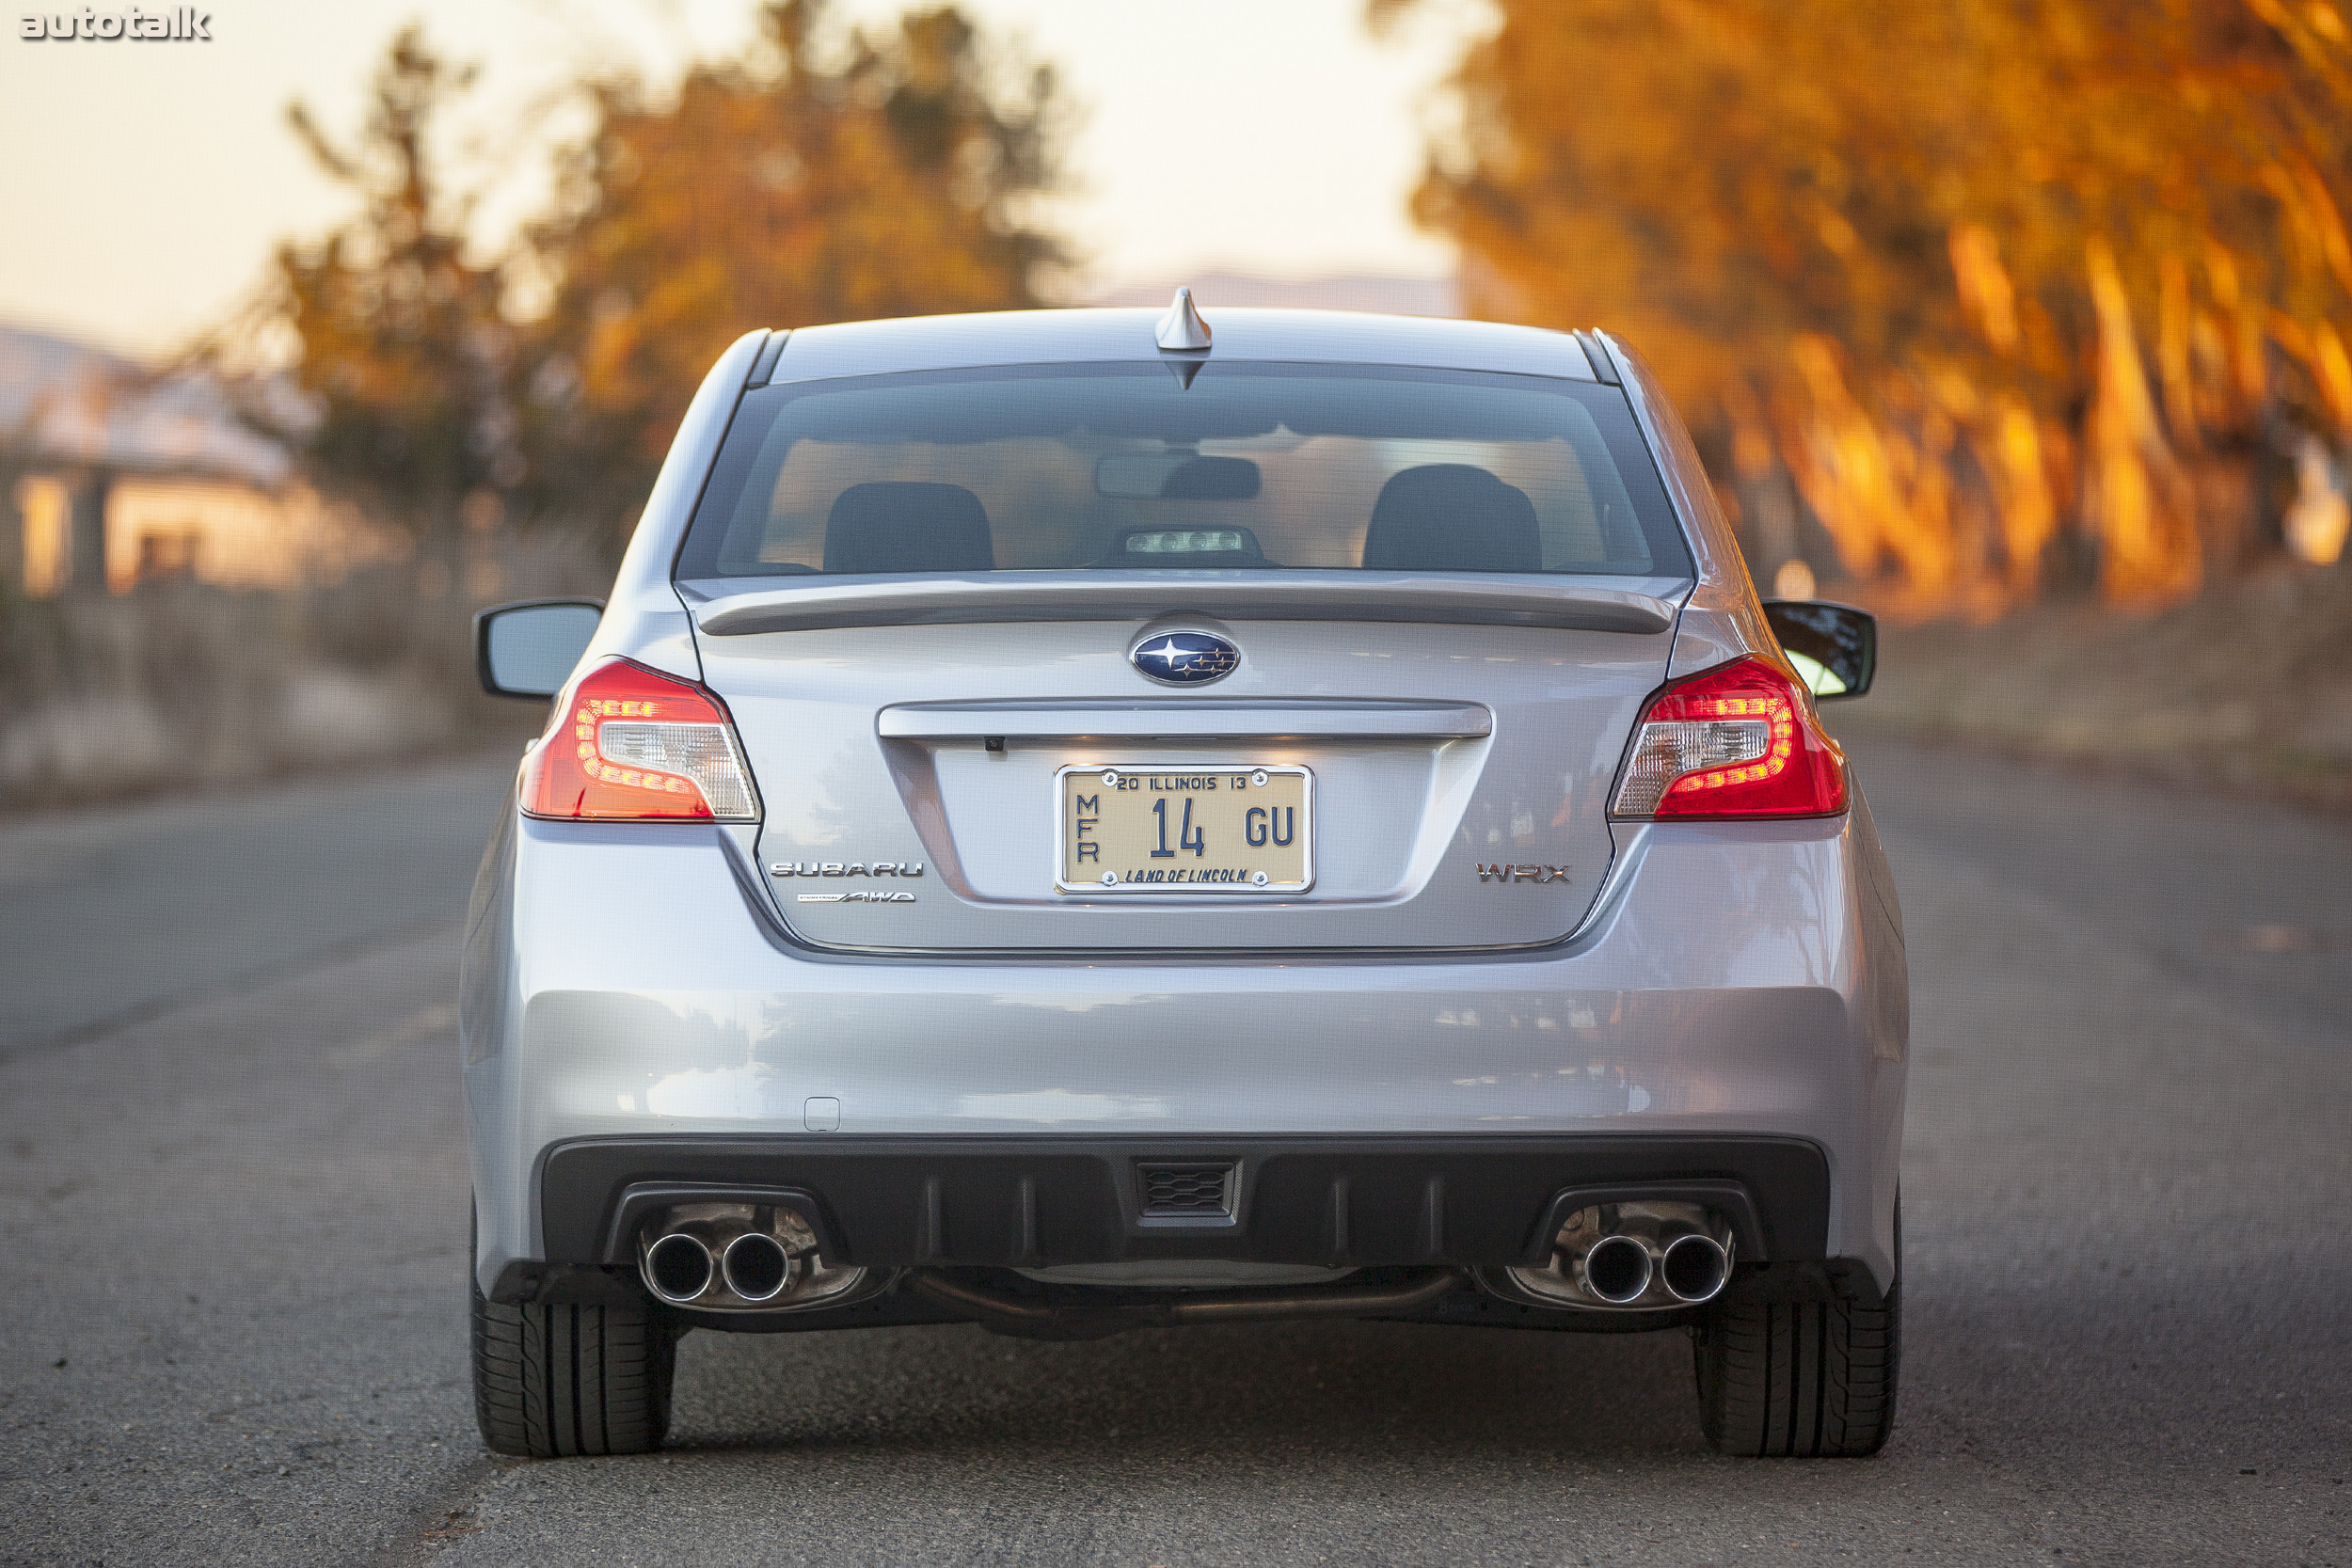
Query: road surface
x=232, y=1211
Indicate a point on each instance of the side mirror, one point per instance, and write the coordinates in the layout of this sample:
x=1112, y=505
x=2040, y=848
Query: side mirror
x=529, y=649
x=1834, y=646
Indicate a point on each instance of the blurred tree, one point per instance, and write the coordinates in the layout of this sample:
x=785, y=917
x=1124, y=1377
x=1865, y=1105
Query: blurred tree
x=402, y=352
x=1975, y=276
x=827, y=175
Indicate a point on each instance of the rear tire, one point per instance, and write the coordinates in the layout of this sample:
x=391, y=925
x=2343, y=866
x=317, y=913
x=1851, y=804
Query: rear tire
x=1800, y=1379
x=552, y=1381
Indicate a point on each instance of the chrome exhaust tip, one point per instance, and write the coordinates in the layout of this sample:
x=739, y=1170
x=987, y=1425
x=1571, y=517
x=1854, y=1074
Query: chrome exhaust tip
x=1641, y=1253
x=1695, y=1269
x=729, y=1254
x=678, y=1268
x=1616, y=1269
x=755, y=1266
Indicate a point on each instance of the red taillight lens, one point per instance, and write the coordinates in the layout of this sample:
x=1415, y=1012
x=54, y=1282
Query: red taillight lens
x=631, y=745
x=1739, y=740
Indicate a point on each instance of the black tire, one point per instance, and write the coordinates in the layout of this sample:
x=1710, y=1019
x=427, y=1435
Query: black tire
x=561, y=1380
x=1801, y=1379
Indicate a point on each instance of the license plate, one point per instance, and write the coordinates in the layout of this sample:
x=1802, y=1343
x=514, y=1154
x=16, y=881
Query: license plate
x=1184, y=829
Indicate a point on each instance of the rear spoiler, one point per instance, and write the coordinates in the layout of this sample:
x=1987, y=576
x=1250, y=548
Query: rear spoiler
x=1640, y=606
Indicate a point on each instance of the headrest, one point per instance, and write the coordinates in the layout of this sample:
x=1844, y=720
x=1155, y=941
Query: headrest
x=1452, y=517
x=908, y=526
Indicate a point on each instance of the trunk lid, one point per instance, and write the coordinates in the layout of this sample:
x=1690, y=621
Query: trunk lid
x=1456, y=769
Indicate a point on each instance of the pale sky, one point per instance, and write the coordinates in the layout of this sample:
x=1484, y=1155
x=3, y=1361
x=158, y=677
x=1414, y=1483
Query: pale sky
x=145, y=182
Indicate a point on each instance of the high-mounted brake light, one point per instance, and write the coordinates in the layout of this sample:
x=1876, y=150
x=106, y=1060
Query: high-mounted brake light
x=1740, y=741
x=631, y=745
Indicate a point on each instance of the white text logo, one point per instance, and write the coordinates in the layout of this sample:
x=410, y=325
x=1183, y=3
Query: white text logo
x=183, y=23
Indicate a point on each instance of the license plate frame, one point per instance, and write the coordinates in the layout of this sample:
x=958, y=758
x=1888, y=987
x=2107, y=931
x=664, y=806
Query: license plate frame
x=1248, y=775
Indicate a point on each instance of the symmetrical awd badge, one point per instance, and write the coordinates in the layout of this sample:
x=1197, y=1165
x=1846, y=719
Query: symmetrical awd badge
x=1184, y=658
x=849, y=869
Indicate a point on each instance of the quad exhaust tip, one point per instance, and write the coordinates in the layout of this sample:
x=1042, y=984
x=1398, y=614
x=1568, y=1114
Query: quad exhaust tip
x=1642, y=1254
x=755, y=1266
x=678, y=1268
x=1617, y=1270
x=733, y=1256
x=1694, y=1268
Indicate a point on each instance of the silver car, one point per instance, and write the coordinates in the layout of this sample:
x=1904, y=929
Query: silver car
x=1081, y=820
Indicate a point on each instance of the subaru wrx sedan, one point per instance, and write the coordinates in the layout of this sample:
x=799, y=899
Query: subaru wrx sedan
x=1085, y=820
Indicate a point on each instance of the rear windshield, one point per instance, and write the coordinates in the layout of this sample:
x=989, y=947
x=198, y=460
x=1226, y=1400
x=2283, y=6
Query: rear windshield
x=1252, y=466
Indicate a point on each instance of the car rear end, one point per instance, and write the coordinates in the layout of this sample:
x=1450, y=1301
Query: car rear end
x=1065, y=833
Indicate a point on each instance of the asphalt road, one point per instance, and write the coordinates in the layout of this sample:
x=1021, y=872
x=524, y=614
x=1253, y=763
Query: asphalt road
x=232, y=1211
x=112, y=915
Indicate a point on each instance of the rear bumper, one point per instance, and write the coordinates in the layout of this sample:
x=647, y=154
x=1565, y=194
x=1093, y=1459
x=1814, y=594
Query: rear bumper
x=1733, y=1009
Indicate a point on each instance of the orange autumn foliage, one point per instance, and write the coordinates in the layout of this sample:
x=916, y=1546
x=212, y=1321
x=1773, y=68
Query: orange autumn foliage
x=827, y=175
x=404, y=350
x=828, y=172
x=1996, y=286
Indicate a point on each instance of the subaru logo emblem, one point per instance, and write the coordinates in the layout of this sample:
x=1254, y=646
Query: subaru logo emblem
x=1184, y=658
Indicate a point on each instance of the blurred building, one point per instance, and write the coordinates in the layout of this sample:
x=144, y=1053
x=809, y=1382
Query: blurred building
x=112, y=474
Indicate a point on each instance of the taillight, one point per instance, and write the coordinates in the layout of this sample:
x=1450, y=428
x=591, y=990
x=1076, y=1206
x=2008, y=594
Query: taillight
x=631, y=745
x=1737, y=740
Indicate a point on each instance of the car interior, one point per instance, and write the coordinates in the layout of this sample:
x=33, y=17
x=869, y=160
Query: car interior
x=1435, y=517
